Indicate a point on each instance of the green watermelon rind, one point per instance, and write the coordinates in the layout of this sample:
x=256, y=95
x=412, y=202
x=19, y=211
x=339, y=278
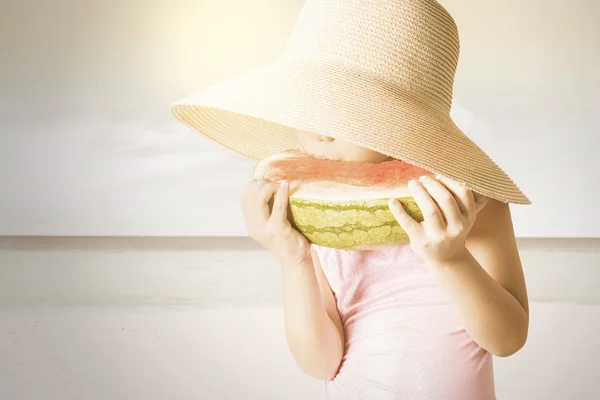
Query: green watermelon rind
x=351, y=225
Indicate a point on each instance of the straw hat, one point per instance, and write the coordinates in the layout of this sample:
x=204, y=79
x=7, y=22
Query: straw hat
x=377, y=73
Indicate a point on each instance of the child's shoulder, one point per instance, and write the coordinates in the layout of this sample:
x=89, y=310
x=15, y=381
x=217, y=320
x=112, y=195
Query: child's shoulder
x=493, y=221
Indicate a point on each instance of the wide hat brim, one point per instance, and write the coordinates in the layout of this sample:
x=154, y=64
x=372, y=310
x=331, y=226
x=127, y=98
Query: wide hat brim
x=255, y=114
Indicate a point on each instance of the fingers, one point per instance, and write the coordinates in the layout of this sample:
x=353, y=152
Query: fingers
x=446, y=202
x=464, y=196
x=410, y=226
x=431, y=213
x=255, y=200
x=280, y=206
x=469, y=202
x=266, y=191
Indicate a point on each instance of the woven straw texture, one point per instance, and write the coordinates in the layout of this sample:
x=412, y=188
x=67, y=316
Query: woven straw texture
x=376, y=73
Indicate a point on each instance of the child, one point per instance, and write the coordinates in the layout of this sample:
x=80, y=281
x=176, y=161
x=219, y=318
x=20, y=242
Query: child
x=412, y=322
x=366, y=81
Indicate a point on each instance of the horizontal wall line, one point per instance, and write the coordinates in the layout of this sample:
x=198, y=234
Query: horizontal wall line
x=191, y=243
x=225, y=272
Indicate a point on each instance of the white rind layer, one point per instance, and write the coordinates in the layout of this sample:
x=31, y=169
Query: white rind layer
x=336, y=192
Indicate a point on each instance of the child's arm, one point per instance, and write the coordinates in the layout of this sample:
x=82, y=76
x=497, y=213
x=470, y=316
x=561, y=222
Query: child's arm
x=312, y=322
x=313, y=326
x=472, y=251
x=487, y=284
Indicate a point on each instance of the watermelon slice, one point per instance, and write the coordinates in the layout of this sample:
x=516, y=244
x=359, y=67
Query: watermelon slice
x=341, y=204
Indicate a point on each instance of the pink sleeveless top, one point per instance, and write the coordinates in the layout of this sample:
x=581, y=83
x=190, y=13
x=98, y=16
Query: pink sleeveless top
x=404, y=339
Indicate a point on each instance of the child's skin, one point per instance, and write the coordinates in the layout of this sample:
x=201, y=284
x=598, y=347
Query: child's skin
x=475, y=260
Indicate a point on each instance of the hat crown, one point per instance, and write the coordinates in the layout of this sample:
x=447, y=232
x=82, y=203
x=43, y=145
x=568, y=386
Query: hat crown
x=412, y=45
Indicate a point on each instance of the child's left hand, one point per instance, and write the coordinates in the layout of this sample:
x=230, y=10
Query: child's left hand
x=449, y=210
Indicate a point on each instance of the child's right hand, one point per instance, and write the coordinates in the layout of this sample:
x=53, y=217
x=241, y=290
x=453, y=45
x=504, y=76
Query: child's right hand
x=273, y=229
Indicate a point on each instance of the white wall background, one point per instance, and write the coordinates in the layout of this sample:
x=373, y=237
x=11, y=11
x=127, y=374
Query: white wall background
x=88, y=146
x=167, y=318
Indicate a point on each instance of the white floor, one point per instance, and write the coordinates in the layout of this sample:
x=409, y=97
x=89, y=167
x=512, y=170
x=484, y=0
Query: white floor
x=129, y=319
x=185, y=353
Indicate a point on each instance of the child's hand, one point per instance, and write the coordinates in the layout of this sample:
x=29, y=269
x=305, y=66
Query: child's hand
x=273, y=229
x=449, y=211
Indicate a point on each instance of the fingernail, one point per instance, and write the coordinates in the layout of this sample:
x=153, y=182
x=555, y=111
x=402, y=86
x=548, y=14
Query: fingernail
x=284, y=183
x=438, y=176
x=412, y=183
x=422, y=179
